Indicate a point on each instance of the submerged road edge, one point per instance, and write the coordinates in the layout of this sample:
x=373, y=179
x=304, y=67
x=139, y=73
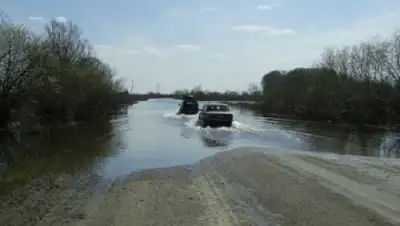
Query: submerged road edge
x=244, y=186
x=241, y=187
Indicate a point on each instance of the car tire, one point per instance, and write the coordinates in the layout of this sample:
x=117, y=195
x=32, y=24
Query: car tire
x=204, y=123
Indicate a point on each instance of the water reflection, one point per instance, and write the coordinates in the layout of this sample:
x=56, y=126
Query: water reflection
x=80, y=147
x=8, y=151
x=216, y=138
x=342, y=139
x=187, y=132
x=149, y=135
x=210, y=137
x=389, y=146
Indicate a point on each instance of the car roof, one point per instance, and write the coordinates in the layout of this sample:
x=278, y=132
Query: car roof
x=188, y=97
x=215, y=104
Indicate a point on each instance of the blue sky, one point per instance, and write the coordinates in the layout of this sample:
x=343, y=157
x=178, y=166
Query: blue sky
x=220, y=44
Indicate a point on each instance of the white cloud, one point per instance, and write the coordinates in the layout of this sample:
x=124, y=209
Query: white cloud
x=266, y=30
x=130, y=52
x=174, y=13
x=189, y=47
x=230, y=61
x=103, y=46
x=219, y=56
x=276, y=31
x=249, y=28
x=208, y=9
x=277, y=4
x=151, y=50
x=109, y=50
x=264, y=7
x=61, y=19
x=36, y=18
x=355, y=32
x=105, y=50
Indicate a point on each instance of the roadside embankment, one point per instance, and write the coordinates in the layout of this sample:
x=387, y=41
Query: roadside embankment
x=247, y=187
x=239, y=187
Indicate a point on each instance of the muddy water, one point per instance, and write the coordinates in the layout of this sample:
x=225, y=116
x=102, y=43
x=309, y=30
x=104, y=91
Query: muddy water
x=150, y=135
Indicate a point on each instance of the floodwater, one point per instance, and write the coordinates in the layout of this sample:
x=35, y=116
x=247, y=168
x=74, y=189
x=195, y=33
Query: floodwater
x=150, y=135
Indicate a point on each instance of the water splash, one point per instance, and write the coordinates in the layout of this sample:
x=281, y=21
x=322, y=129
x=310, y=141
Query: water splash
x=240, y=133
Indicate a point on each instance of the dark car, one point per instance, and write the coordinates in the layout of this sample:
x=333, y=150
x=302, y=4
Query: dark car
x=188, y=106
x=215, y=115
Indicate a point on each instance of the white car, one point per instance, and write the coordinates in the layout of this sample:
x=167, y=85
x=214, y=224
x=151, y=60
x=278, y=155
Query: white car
x=215, y=115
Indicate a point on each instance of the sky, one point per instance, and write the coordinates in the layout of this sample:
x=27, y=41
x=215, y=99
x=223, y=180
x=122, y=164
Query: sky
x=218, y=44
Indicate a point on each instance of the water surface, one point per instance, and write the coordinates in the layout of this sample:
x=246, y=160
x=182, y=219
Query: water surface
x=151, y=135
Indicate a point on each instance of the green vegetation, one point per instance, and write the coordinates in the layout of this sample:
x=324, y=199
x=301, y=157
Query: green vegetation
x=53, y=77
x=67, y=150
x=357, y=84
x=252, y=94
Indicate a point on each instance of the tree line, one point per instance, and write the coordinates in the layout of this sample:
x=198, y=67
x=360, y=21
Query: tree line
x=252, y=94
x=53, y=77
x=357, y=84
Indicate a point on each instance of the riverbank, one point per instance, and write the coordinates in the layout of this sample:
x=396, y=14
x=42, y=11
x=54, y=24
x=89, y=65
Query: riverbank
x=256, y=108
x=70, y=149
x=237, y=187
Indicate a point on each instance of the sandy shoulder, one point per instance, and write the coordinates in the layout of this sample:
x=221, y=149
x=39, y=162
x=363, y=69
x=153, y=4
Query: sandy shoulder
x=170, y=196
x=245, y=188
x=237, y=187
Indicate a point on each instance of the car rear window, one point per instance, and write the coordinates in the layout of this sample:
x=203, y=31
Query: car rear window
x=217, y=108
x=191, y=102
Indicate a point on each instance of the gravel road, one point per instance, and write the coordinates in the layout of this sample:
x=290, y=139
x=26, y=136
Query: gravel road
x=237, y=187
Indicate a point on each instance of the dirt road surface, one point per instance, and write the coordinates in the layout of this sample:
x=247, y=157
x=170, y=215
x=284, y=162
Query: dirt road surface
x=243, y=187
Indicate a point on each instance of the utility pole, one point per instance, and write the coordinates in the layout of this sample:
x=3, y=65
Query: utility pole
x=132, y=87
x=158, y=88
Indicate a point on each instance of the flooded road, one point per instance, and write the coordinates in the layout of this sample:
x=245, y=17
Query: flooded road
x=71, y=173
x=151, y=135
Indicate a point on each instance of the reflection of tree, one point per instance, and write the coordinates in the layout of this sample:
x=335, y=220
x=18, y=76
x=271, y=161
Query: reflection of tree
x=390, y=146
x=344, y=139
x=216, y=140
x=73, y=147
x=7, y=150
x=210, y=142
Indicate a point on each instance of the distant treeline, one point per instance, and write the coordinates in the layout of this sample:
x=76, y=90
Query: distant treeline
x=252, y=94
x=356, y=84
x=150, y=95
x=53, y=77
